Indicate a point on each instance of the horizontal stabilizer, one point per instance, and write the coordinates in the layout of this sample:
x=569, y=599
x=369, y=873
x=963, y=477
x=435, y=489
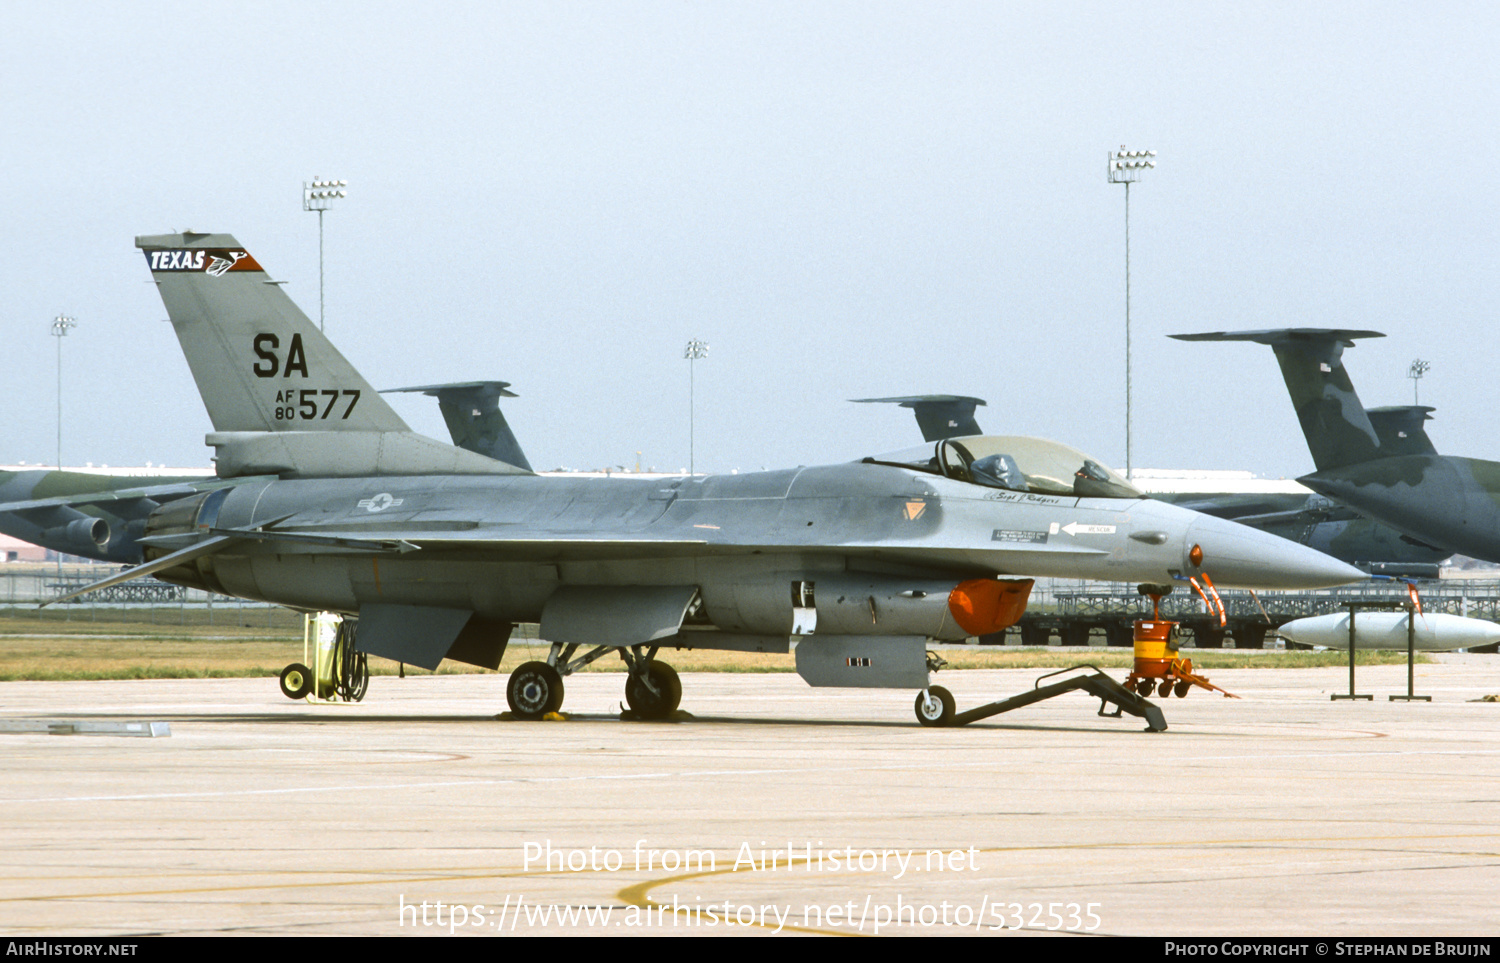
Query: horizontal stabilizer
x=1275, y=336
x=1334, y=422
x=939, y=416
x=205, y=547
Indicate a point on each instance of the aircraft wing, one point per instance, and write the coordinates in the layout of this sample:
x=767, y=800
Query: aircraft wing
x=533, y=544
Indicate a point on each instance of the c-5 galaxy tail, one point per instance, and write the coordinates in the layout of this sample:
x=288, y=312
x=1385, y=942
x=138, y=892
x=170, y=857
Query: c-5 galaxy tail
x=471, y=410
x=1339, y=430
x=281, y=398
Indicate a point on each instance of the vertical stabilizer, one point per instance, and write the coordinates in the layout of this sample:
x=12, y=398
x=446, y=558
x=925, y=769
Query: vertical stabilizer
x=260, y=364
x=1337, y=428
x=1401, y=429
x=282, y=399
x=471, y=410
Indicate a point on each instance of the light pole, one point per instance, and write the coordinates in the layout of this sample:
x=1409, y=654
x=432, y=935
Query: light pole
x=319, y=196
x=60, y=327
x=1126, y=167
x=694, y=351
x=1415, y=372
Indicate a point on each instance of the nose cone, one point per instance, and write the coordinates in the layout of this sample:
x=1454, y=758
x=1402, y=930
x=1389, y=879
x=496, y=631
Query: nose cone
x=1243, y=557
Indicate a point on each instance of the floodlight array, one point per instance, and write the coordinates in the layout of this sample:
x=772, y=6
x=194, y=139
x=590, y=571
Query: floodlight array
x=1126, y=166
x=319, y=195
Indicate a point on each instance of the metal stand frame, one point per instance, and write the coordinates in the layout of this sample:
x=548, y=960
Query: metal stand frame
x=1411, y=660
x=1411, y=652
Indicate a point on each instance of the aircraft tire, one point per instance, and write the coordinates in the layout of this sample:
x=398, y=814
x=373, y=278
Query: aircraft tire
x=936, y=707
x=534, y=690
x=296, y=681
x=647, y=704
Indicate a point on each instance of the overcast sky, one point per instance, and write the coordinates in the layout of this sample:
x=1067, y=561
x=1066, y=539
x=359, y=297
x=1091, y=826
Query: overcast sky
x=843, y=199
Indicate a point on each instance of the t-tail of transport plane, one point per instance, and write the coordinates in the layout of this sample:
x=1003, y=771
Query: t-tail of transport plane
x=1338, y=428
x=281, y=397
x=471, y=410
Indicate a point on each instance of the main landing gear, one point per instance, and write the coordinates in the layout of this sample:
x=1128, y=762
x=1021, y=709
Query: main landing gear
x=534, y=690
x=652, y=689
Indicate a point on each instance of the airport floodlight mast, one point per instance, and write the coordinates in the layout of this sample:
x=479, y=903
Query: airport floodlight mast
x=319, y=196
x=1415, y=372
x=694, y=352
x=1126, y=167
x=60, y=327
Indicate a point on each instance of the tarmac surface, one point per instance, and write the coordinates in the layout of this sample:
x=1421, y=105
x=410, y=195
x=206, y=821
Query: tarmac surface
x=418, y=813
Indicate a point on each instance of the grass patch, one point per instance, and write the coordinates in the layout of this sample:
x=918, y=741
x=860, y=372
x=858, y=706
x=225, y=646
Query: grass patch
x=68, y=650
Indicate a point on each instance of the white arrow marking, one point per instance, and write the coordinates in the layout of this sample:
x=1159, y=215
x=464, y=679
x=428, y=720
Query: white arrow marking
x=1075, y=529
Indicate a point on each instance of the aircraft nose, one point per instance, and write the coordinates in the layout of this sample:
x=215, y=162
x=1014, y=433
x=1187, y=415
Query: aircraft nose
x=1243, y=557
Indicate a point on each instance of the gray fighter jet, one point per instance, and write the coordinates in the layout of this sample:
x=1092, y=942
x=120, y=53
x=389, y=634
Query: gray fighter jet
x=1379, y=461
x=1306, y=518
x=439, y=551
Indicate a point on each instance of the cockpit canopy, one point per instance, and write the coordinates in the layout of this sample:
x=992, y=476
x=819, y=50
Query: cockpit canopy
x=1015, y=463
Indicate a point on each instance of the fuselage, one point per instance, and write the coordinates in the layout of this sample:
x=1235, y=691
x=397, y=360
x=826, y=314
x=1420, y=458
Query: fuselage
x=501, y=546
x=1442, y=500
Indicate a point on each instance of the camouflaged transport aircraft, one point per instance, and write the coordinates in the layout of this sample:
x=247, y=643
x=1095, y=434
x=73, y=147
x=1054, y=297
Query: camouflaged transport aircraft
x=334, y=504
x=1379, y=461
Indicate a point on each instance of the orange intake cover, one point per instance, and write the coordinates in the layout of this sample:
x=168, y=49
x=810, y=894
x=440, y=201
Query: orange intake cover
x=984, y=605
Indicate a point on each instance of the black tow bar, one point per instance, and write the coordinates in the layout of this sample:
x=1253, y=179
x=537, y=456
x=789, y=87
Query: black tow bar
x=1096, y=683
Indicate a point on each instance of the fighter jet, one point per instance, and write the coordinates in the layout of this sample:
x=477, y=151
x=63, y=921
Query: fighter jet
x=1380, y=461
x=439, y=551
x=1298, y=514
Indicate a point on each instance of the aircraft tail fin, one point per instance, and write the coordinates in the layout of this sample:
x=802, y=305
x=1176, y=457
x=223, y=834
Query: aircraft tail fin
x=471, y=410
x=260, y=364
x=1401, y=431
x=281, y=397
x=1338, y=430
x=939, y=416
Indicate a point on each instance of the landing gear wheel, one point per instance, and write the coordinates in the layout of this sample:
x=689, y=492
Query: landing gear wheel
x=534, y=690
x=1182, y=688
x=296, y=681
x=651, y=705
x=935, y=707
